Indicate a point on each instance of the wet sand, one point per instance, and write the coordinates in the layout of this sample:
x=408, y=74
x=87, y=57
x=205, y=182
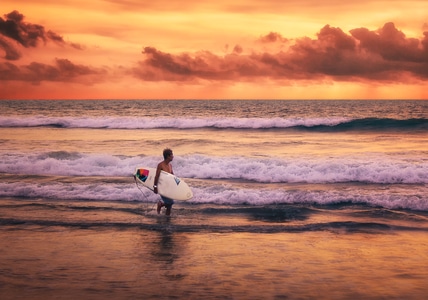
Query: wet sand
x=201, y=256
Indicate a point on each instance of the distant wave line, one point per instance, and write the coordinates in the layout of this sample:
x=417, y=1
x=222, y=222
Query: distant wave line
x=310, y=124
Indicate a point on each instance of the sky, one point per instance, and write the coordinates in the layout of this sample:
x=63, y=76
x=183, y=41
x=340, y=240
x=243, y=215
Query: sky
x=195, y=49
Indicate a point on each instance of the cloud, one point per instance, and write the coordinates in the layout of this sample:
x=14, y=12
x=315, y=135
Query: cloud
x=394, y=50
x=13, y=28
x=27, y=34
x=391, y=44
x=382, y=55
x=63, y=71
x=14, y=32
x=202, y=65
x=272, y=37
x=11, y=52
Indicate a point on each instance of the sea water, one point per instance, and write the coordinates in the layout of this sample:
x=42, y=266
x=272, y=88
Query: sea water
x=261, y=172
x=232, y=152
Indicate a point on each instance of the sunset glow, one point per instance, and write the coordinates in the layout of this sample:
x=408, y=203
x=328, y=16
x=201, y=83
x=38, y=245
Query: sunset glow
x=269, y=49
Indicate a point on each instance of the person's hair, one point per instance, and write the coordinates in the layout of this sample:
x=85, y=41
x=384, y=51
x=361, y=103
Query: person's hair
x=167, y=152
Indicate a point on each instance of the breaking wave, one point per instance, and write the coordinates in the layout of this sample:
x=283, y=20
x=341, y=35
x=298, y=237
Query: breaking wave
x=312, y=124
x=372, y=168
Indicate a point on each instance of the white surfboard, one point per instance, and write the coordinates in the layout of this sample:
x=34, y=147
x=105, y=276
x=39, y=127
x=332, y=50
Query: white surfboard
x=169, y=185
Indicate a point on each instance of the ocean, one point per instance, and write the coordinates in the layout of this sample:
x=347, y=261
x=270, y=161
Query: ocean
x=305, y=199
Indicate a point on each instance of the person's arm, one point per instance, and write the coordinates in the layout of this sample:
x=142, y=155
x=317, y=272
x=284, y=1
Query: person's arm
x=155, y=185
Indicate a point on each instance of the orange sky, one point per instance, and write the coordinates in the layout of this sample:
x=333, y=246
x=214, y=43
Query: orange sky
x=294, y=49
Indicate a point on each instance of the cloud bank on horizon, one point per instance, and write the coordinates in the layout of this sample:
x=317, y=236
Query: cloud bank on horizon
x=382, y=56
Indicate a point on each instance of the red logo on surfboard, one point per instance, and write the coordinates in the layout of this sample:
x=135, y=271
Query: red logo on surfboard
x=142, y=174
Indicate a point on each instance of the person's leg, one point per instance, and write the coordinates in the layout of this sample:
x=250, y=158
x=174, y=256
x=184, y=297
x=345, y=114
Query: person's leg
x=168, y=204
x=168, y=210
x=160, y=204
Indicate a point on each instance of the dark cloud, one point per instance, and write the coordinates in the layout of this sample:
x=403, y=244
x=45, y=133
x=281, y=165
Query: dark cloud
x=272, y=37
x=27, y=35
x=382, y=55
x=54, y=37
x=390, y=43
x=11, y=52
x=238, y=49
x=62, y=71
x=203, y=65
x=14, y=31
x=332, y=54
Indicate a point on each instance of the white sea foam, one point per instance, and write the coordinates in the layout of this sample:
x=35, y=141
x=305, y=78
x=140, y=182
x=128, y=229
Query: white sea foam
x=375, y=168
x=149, y=123
x=225, y=194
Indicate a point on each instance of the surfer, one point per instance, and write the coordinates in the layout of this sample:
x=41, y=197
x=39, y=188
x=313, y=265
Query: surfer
x=165, y=166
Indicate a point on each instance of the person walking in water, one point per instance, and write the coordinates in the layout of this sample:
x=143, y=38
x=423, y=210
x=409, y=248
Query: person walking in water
x=165, y=166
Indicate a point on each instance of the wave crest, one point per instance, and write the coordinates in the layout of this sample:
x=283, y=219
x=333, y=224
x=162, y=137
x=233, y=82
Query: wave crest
x=315, y=124
x=372, y=168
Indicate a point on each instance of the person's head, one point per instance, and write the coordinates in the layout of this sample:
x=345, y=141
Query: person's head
x=167, y=153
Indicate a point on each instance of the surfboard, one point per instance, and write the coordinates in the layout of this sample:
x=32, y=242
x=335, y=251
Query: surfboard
x=169, y=185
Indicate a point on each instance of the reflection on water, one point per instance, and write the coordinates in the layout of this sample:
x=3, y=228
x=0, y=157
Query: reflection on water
x=166, y=247
x=109, y=252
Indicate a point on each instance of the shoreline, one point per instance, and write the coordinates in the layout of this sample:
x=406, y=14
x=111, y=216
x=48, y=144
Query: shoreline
x=209, y=253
